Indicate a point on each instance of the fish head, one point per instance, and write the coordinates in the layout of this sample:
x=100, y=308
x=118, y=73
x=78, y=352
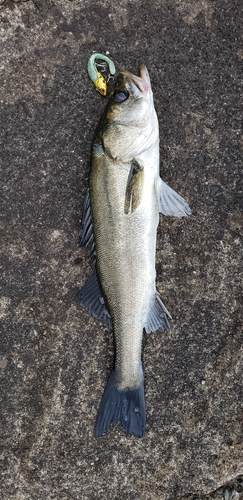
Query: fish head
x=129, y=125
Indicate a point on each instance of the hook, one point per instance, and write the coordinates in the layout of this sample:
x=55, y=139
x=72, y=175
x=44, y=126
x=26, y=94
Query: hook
x=96, y=77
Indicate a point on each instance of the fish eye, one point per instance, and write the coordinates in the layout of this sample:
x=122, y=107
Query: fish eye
x=120, y=95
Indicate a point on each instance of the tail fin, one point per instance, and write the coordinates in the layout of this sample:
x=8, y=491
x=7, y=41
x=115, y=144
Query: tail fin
x=127, y=407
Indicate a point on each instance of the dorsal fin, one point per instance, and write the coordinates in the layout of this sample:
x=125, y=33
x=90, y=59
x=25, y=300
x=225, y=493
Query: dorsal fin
x=86, y=233
x=90, y=297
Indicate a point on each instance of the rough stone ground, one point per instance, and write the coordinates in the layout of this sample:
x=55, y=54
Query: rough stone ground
x=55, y=359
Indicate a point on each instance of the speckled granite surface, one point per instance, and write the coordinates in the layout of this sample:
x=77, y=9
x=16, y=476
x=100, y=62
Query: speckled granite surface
x=55, y=359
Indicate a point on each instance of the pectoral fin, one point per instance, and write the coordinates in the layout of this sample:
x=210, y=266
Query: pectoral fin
x=134, y=187
x=170, y=202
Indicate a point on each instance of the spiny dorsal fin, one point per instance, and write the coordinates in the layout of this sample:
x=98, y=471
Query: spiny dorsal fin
x=86, y=233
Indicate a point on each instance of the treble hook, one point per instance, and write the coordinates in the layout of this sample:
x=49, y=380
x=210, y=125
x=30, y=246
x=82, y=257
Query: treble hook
x=96, y=77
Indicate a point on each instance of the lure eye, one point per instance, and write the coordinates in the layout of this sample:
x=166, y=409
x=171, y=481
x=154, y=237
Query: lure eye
x=120, y=95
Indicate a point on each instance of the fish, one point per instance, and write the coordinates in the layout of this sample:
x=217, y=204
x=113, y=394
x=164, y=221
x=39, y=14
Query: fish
x=120, y=218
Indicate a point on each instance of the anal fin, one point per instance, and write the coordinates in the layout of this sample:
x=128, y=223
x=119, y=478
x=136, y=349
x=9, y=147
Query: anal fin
x=158, y=316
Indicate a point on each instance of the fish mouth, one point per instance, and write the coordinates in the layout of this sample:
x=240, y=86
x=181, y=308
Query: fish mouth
x=141, y=83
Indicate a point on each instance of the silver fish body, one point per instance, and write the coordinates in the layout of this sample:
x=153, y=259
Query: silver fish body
x=120, y=220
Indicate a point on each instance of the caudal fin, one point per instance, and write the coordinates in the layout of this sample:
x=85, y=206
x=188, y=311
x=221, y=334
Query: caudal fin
x=127, y=407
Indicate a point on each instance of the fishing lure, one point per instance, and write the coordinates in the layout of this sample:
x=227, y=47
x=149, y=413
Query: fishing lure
x=96, y=77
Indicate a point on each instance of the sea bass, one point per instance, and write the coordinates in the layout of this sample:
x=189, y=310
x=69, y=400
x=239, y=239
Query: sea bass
x=120, y=219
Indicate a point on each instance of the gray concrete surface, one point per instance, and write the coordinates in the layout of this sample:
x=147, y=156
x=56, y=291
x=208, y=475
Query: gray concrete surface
x=55, y=359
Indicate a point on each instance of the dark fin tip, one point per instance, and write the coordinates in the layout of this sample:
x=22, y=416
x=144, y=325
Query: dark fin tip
x=90, y=298
x=127, y=407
